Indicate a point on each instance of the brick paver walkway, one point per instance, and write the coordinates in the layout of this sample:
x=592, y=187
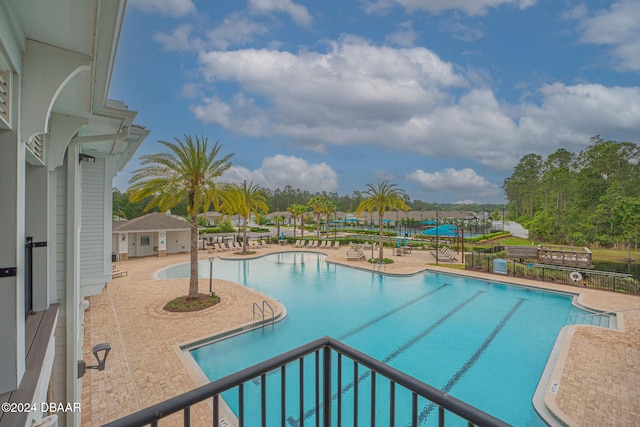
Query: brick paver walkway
x=598, y=380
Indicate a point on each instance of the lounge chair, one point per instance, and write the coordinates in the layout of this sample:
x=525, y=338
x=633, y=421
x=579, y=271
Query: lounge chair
x=336, y=245
x=355, y=254
x=451, y=254
x=311, y=244
x=265, y=244
x=441, y=255
x=117, y=273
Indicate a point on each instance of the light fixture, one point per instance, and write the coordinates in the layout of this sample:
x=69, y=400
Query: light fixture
x=100, y=351
x=86, y=158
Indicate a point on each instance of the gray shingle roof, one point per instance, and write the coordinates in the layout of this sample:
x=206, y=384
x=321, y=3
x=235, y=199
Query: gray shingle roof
x=151, y=222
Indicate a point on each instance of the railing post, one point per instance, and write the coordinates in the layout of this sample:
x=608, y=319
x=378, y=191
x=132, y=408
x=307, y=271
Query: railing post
x=326, y=391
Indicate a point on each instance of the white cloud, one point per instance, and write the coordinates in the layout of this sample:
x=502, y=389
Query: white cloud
x=356, y=93
x=179, y=39
x=280, y=170
x=618, y=27
x=377, y=7
x=464, y=182
x=460, y=30
x=236, y=29
x=341, y=96
x=173, y=8
x=298, y=13
x=470, y=7
x=569, y=115
x=405, y=36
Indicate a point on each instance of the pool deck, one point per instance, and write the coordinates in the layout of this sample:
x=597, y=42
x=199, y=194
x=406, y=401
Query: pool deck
x=597, y=375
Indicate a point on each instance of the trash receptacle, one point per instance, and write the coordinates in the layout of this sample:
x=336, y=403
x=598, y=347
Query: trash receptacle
x=113, y=257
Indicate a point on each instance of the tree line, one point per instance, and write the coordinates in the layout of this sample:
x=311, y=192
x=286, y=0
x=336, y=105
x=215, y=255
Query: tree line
x=587, y=198
x=281, y=199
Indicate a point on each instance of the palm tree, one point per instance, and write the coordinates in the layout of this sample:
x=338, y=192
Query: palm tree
x=186, y=173
x=316, y=203
x=278, y=220
x=296, y=211
x=384, y=196
x=244, y=199
x=328, y=209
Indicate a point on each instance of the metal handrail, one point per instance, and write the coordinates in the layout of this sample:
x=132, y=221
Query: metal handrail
x=273, y=313
x=253, y=309
x=262, y=310
x=183, y=402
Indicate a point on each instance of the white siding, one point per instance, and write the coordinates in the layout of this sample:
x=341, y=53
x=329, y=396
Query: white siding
x=95, y=228
x=92, y=220
x=178, y=241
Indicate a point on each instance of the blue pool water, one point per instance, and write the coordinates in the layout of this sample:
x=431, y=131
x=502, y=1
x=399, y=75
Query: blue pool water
x=484, y=343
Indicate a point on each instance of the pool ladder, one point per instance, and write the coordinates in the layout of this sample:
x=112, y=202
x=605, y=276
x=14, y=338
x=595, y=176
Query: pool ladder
x=378, y=265
x=261, y=311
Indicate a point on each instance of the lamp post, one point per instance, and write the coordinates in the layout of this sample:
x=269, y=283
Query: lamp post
x=437, y=233
x=211, y=293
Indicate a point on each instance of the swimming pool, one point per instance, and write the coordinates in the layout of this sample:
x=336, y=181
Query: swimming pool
x=484, y=343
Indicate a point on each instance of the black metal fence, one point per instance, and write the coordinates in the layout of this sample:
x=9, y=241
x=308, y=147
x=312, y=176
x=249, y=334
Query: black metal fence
x=585, y=277
x=322, y=383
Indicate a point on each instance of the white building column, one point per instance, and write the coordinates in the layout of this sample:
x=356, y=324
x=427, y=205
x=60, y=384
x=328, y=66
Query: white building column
x=123, y=246
x=72, y=299
x=12, y=250
x=162, y=243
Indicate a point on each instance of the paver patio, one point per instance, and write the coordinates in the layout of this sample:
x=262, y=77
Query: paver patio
x=598, y=380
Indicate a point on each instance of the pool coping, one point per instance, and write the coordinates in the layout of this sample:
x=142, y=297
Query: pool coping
x=183, y=351
x=543, y=399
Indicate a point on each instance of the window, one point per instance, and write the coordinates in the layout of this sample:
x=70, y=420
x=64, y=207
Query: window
x=144, y=241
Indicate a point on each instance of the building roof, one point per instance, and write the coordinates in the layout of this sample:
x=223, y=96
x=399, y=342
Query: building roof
x=152, y=222
x=285, y=214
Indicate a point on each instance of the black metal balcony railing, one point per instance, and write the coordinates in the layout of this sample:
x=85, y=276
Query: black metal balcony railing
x=593, y=279
x=419, y=402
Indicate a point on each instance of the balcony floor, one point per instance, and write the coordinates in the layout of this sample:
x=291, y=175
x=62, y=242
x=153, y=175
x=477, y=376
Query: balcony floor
x=38, y=330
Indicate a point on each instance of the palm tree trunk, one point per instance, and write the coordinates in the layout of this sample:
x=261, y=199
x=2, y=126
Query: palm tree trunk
x=244, y=236
x=193, y=267
x=381, y=254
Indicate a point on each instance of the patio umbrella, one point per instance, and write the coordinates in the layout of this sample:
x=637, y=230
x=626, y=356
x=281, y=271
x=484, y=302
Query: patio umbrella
x=441, y=231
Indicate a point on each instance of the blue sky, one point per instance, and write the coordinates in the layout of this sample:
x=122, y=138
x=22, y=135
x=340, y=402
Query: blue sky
x=442, y=97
